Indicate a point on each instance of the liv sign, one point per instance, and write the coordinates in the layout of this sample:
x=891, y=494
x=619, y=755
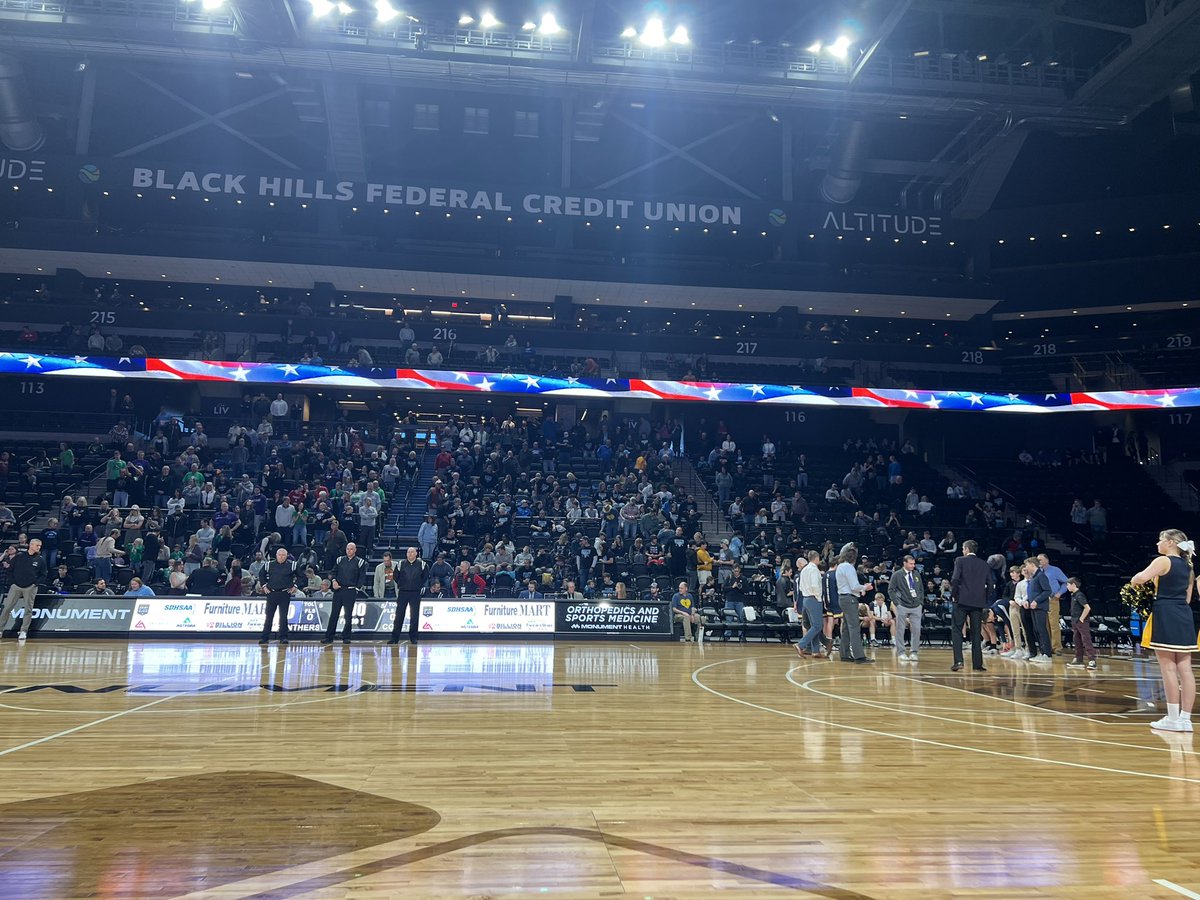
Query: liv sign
x=883, y=223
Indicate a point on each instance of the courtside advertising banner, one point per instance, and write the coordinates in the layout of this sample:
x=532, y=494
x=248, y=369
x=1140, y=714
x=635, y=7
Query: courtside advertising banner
x=488, y=616
x=65, y=614
x=605, y=617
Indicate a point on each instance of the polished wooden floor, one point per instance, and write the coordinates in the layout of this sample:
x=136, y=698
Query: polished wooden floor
x=221, y=770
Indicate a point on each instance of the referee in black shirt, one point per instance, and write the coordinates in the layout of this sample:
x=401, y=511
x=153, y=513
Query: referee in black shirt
x=410, y=579
x=279, y=587
x=349, y=574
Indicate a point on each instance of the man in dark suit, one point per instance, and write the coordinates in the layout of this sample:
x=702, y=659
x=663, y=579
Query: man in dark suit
x=971, y=590
x=1039, y=596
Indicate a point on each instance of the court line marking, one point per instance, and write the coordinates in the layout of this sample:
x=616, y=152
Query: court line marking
x=341, y=695
x=1066, y=737
x=69, y=731
x=1170, y=885
x=917, y=740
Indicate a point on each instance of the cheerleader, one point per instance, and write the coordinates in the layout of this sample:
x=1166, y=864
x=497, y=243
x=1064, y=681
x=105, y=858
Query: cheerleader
x=1171, y=631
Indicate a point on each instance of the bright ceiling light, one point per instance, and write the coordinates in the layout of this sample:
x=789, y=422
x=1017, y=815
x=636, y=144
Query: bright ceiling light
x=487, y=20
x=345, y=9
x=629, y=33
x=465, y=19
x=211, y=5
x=321, y=8
x=841, y=47
x=680, y=35
x=549, y=24
x=529, y=26
x=385, y=11
x=654, y=34
x=814, y=47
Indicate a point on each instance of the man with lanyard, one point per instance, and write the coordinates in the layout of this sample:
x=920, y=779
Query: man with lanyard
x=904, y=594
x=348, y=575
x=410, y=578
x=279, y=585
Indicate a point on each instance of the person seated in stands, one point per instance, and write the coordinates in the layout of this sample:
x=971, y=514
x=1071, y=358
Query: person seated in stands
x=531, y=591
x=485, y=560
x=910, y=545
x=523, y=562
x=61, y=583
x=861, y=520
x=441, y=572
x=1025, y=458
x=911, y=499
x=606, y=589
x=467, y=580
x=948, y=544
x=505, y=562
x=8, y=521
x=924, y=506
x=138, y=589
x=100, y=589
x=655, y=559
x=925, y=547
x=833, y=494
x=653, y=594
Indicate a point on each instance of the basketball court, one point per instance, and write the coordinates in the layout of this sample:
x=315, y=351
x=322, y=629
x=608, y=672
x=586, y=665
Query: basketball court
x=221, y=770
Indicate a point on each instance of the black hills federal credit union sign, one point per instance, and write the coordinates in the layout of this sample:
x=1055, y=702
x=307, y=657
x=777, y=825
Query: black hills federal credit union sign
x=118, y=179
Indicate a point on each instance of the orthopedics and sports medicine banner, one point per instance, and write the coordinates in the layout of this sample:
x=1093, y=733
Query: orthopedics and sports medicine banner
x=613, y=617
x=282, y=375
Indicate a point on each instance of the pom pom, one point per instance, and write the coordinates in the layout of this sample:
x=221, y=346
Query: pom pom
x=1139, y=597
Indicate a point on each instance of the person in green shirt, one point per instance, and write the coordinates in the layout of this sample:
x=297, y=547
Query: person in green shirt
x=195, y=476
x=66, y=458
x=114, y=469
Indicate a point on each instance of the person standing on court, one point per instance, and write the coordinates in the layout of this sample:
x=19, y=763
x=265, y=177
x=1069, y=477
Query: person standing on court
x=849, y=592
x=1039, y=605
x=1171, y=631
x=29, y=572
x=808, y=603
x=1058, y=588
x=279, y=584
x=905, y=594
x=348, y=575
x=971, y=591
x=410, y=579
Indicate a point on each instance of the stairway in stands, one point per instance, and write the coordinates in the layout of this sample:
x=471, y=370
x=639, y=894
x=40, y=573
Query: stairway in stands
x=403, y=519
x=716, y=526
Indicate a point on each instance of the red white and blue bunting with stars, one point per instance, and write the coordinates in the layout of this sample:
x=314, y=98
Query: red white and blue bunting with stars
x=278, y=375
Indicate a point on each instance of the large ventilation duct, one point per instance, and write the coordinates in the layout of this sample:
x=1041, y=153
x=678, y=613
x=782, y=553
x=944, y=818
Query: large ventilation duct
x=844, y=177
x=19, y=128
